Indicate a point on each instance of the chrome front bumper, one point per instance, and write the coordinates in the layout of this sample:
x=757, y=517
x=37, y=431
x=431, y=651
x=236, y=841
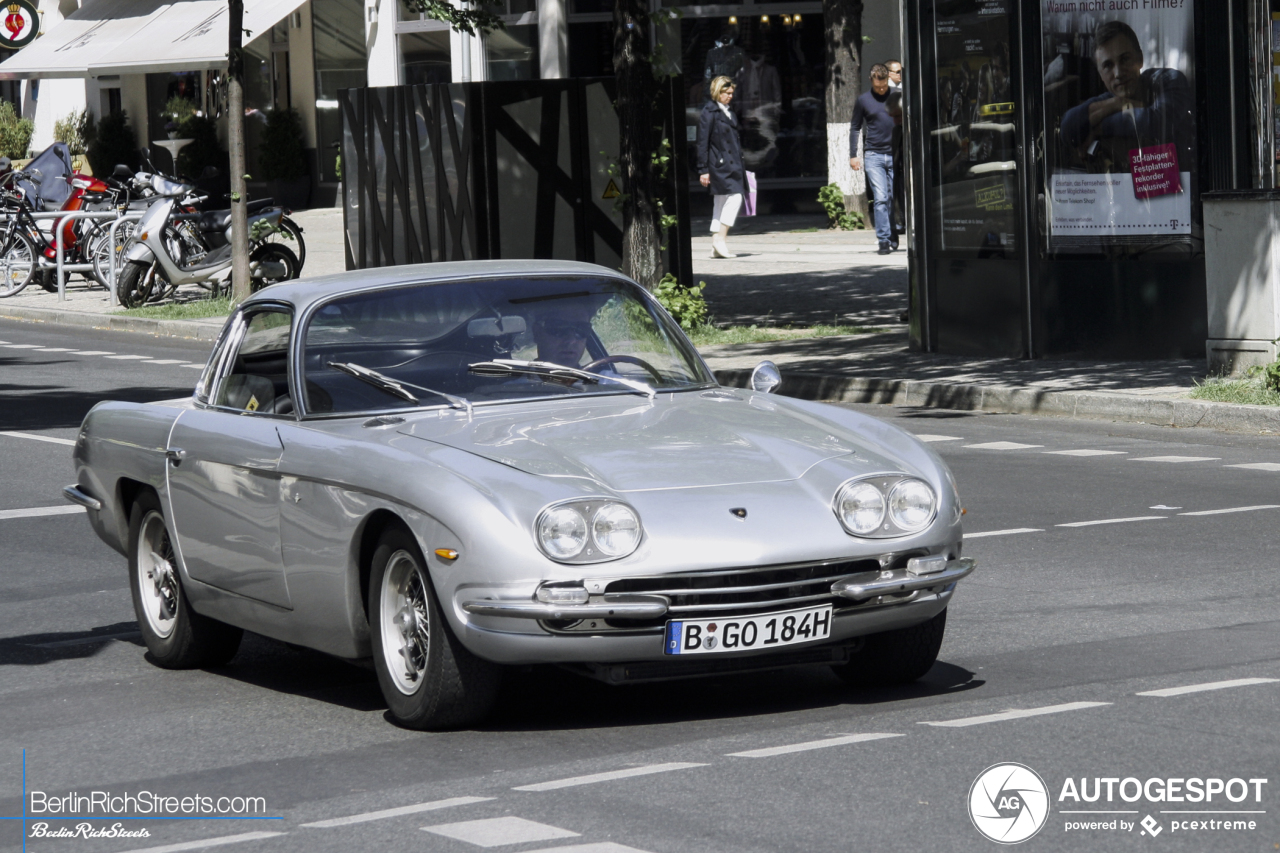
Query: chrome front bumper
x=863, y=587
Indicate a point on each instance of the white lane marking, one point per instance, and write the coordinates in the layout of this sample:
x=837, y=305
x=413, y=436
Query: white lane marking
x=1211, y=685
x=1257, y=466
x=130, y=357
x=500, y=831
x=94, y=352
x=208, y=842
x=1087, y=452
x=1113, y=521
x=397, y=812
x=55, y=349
x=1175, y=459
x=1001, y=445
x=598, y=847
x=607, y=777
x=1231, y=509
x=771, y=751
x=22, y=346
x=195, y=366
x=49, y=438
x=168, y=361
x=38, y=511
x=1015, y=714
x=939, y=438
x=1008, y=532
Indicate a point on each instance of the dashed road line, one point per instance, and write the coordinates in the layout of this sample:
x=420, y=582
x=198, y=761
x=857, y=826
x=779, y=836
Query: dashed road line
x=1014, y=714
x=94, y=352
x=1232, y=509
x=129, y=357
x=500, y=831
x=1010, y=532
x=56, y=349
x=49, y=438
x=1211, y=685
x=1086, y=452
x=932, y=438
x=39, y=511
x=769, y=752
x=195, y=366
x=1257, y=466
x=207, y=842
x=169, y=361
x=610, y=776
x=21, y=346
x=1175, y=459
x=1112, y=521
x=396, y=812
x=1001, y=445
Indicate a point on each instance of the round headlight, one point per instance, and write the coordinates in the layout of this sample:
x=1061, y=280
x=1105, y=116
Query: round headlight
x=860, y=507
x=616, y=530
x=911, y=505
x=562, y=532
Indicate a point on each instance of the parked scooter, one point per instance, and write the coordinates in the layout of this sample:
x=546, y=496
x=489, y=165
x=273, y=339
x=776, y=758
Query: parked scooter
x=160, y=251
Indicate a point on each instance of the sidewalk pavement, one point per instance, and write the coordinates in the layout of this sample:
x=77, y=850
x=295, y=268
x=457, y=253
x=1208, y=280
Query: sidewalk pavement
x=792, y=271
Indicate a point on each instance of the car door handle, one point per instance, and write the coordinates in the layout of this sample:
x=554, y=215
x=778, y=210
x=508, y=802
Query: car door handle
x=175, y=455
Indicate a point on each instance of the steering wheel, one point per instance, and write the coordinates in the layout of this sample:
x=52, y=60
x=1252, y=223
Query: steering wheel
x=625, y=359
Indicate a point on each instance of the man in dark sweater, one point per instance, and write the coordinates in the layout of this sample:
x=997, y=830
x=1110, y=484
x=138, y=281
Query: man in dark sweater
x=872, y=111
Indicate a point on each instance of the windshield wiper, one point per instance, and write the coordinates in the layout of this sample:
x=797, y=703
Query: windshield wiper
x=385, y=383
x=548, y=370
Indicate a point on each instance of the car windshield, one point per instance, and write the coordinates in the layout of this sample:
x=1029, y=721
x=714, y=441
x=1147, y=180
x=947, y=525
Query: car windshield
x=492, y=341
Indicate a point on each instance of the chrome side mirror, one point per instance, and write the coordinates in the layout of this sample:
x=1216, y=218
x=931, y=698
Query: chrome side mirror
x=766, y=377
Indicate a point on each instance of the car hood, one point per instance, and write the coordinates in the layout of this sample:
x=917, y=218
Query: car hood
x=690, y=440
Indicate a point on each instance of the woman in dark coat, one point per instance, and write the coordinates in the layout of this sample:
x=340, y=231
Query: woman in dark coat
x=720, y=162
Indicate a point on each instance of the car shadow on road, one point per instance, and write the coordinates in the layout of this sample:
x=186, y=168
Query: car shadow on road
x=49, y=647
x=52, y=407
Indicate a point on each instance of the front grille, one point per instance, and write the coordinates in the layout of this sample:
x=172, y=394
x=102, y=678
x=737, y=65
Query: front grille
x=745, y=590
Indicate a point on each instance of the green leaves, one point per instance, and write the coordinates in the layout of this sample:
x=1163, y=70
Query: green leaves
x=685, y=304
x=832, y=200
x=463, y=20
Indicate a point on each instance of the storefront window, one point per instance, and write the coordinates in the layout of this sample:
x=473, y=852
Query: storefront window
x=341, y=63
x=512, y=53
x=1120, y=129
x=424, y=57
x=777, y=62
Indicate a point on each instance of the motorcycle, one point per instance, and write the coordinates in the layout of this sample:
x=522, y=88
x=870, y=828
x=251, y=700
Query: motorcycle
x=175, y=248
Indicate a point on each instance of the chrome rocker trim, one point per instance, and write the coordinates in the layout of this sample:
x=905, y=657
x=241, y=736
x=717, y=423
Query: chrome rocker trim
x=77, y=496
x=901, y=581
x=621, y=607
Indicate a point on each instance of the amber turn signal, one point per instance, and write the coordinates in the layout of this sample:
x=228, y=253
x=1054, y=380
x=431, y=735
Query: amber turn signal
x=446, y=554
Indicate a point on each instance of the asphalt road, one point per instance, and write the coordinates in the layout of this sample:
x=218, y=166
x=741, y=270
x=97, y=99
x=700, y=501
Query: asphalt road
x=1147, y=564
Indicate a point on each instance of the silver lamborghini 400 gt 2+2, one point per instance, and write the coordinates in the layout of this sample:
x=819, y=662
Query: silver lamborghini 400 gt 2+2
x=454, y=467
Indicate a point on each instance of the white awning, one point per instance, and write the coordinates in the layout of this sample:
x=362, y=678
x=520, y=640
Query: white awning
x=140, y=37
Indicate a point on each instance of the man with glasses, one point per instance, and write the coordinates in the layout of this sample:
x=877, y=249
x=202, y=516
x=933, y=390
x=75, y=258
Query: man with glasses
x=561, y=332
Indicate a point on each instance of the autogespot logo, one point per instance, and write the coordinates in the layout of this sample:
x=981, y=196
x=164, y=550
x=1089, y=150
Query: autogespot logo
x=1008, y=803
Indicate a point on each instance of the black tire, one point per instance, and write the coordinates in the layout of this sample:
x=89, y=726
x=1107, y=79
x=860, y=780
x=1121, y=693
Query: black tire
x=430, y=681
x=136, y=282
x=896, y=657
x=176, y=636
x=273, y=253
x=289, y=235
x=17, y=263
x=48, y=280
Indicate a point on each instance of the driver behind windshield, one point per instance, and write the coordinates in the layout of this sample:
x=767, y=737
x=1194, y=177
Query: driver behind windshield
x=561, y=329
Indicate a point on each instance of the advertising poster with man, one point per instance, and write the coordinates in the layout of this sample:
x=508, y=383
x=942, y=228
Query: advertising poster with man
x=1120, y=118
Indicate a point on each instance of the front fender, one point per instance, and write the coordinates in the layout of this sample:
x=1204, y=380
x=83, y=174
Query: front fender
x=140, y=252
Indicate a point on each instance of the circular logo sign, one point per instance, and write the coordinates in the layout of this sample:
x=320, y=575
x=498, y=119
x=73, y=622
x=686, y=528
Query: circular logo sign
x=21, y=24
x=1008, y=803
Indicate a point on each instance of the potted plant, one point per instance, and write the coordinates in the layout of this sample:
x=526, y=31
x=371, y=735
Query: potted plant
x=176, y=110
x=282, y=159
x=15, y=132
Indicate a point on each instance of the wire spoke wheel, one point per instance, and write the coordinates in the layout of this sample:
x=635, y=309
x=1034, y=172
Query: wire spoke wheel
x=157, y=579
x=406, y=622
x=17, y=263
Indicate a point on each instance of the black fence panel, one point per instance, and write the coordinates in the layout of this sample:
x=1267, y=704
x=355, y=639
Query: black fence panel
x=520, y=169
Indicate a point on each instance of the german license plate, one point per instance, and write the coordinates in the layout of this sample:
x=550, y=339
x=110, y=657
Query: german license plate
x=745, y=633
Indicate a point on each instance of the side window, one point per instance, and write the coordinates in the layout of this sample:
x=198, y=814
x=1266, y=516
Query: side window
x=256, y=378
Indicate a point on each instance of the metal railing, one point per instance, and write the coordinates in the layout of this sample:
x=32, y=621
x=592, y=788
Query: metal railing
x=61, y=218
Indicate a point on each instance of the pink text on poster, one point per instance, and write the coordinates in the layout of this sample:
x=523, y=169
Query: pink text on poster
x=1155, y=171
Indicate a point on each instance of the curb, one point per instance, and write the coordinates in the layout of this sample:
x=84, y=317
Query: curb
x=1002, y=399
x=190, y=329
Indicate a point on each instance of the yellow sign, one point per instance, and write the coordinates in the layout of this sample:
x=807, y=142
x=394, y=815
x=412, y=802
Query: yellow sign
x=612, y=190
x=252, y=405
x=1001, y=109
x=991, y=198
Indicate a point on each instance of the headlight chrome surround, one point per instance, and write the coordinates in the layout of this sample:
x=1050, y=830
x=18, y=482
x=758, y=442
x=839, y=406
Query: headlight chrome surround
x=610, y=530
x=907, y=517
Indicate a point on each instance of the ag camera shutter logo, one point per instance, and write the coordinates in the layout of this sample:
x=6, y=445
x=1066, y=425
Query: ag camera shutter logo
x=1008, y=803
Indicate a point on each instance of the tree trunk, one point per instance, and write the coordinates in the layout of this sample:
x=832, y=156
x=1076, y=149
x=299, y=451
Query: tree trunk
x=235, y=144
x=843, y=22
x=637, y=93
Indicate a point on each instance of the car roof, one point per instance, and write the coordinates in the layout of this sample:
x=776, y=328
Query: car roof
x=305, y=292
